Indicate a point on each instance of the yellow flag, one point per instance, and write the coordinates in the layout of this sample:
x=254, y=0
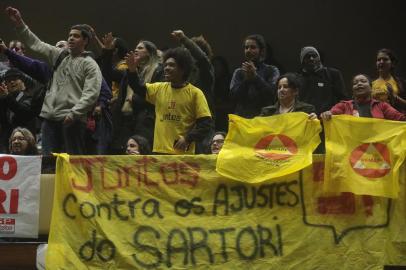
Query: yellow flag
x=364, y=155
x=267, y=147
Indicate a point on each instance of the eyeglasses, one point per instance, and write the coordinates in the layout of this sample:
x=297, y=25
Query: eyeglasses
x=219, y=141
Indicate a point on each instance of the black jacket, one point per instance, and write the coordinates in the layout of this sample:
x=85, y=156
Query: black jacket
x=323, y=88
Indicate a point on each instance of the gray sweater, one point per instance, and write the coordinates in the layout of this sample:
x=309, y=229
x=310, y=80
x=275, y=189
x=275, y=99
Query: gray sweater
x=76, y=82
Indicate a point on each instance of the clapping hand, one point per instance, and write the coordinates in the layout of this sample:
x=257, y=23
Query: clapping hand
x=132, y=61
x=249, y=69
x=108, y=41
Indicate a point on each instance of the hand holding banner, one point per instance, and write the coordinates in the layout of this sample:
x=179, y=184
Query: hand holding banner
x=262, y=148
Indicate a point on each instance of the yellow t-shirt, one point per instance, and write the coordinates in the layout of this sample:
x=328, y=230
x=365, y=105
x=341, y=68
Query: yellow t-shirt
x=380, y=89
x=176, y=111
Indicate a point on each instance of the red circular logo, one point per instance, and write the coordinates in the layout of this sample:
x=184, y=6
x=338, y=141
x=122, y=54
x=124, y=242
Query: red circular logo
x=276, y=147
x=371, y=160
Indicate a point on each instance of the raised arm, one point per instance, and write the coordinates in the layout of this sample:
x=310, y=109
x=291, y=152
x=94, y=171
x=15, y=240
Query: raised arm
x=133, y=79
x=193, y=48
x=109, y=72
x=30, y=39
x=38, y=70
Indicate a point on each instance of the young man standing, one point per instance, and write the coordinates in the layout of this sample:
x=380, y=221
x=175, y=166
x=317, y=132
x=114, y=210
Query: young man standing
x=74, y=88
x=182, y=114
x=253, y=85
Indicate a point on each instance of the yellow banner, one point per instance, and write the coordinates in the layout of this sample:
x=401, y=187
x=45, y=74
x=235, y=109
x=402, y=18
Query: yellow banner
x=262, y=148
x=364, y=155
x=161, y=212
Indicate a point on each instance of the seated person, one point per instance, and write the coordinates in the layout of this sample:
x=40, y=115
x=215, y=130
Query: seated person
x=137, y=145
x=363, y=105
x=22, y=142
x=288, y=90
x=217, y=142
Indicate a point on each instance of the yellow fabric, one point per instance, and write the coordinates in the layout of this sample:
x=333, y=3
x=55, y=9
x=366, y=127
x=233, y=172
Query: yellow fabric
x=380, y=89
x=363, y=155
x=186, y=216
x=115, y=86
x=267, y=147
x=176, y=111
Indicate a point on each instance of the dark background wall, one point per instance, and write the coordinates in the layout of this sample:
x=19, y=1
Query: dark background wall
x=348, y=33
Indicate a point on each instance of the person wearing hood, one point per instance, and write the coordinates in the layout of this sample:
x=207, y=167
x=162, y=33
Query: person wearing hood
x=321, y=86
x=253, y=85
x=74, y=87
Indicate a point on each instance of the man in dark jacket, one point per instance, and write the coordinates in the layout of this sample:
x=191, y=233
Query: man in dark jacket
x=322, y=86
x=253, y=84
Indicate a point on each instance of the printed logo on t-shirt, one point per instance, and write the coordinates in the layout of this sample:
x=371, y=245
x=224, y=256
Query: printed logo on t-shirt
x=171, y=117
x=171, y=105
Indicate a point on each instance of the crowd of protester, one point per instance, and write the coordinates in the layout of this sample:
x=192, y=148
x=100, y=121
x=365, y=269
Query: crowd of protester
x=99, y=96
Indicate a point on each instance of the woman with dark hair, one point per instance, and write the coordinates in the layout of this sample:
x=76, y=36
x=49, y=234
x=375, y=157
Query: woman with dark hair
x=217, y=142
x=22, y=142
x=363, y=105
x=131, y=114
x=288, y=90
x=388, y=86
x=137, y=145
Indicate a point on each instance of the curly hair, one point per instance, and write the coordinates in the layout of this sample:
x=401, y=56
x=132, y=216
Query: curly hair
x=183, y=59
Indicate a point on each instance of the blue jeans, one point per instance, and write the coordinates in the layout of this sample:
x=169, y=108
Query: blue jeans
x=58, y=138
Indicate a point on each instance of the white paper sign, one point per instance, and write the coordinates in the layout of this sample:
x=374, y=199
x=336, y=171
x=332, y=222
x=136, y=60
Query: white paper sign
x=19, y=195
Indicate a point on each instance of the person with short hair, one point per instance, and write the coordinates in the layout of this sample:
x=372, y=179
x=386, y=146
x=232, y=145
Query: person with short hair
x=22, y=142
x=322, y=86
x=253, y=85
x=74, y=87
x=182, y=114
x=217, y=142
